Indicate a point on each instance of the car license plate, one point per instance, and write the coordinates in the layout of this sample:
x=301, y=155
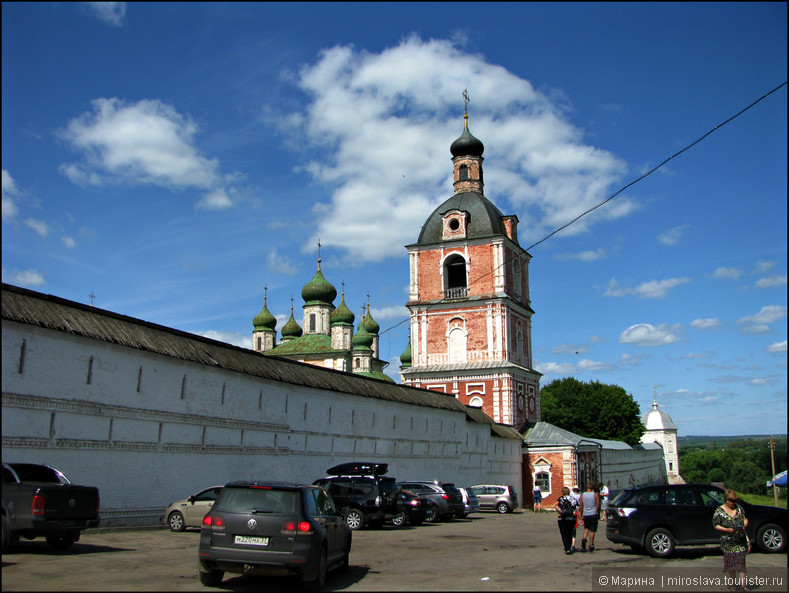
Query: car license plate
x=251, y=540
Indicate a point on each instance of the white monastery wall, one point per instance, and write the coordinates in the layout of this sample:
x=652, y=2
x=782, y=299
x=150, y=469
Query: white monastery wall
x=149, y=429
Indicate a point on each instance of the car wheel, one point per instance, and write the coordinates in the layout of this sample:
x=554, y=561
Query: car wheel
x=771, y=538
x=62, y=541
x=434, y=518
x=398, y=520
x=503, y=508
x=355, y=519
x=211, y=579
x=319, y=582
x=660, y=543
x=176, y=521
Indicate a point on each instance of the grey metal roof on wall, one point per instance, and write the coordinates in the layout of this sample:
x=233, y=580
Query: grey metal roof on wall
x=544, y=434
x=46, y=311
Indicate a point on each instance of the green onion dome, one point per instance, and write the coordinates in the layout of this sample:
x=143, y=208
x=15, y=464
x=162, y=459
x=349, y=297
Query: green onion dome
x=318, y=290
x=369, y=323
x=264, y=320
x=291, y=329
x=342, y=314
x=362, y=340
x=405, y=357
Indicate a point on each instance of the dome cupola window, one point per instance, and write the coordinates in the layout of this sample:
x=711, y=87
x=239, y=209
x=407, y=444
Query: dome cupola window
x=455, y=224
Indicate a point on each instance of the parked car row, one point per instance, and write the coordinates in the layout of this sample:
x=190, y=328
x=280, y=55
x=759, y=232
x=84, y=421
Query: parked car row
x=306, y=529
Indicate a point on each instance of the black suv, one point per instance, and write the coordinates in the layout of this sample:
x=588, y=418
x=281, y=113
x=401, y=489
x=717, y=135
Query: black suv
x=446, y=497
x=658, y=518
x=269, y=528
x=363, y=493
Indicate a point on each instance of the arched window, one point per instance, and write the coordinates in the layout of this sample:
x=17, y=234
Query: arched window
x=475, y=402
x=463, y=173
x=455, y=285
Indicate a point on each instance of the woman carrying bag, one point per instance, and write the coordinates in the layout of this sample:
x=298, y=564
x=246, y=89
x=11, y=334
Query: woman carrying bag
x=730, y=520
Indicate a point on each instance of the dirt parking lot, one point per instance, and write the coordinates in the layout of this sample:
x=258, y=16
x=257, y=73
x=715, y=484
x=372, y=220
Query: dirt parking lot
x=486, y=552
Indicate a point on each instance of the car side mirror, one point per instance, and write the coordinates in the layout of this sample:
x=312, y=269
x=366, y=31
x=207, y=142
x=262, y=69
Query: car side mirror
x=191, y=499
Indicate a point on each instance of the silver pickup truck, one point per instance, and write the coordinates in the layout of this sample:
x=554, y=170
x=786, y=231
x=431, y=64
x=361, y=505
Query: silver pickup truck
x=39, y=501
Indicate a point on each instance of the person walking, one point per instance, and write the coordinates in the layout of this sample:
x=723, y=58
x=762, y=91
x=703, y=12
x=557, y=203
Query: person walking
x=566, y=507
x=537, y=499
x=576, y=496
x=730, y=520
x=602, y=489
x=590, y=511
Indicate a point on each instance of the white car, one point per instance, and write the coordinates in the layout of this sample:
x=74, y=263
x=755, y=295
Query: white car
x=189, y=512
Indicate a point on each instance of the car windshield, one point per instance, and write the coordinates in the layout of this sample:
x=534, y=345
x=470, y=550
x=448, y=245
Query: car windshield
x=257, y=500
x=621, y=497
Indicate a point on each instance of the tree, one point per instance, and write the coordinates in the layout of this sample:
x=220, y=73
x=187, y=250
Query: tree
x=592, y=410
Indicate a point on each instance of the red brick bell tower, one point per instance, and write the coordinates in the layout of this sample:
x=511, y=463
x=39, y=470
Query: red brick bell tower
x=469, y=301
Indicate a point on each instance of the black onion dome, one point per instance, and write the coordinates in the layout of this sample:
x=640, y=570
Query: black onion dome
x=467, y=144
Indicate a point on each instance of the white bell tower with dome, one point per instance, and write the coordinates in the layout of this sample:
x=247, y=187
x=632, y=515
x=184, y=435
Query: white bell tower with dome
x=662, y=430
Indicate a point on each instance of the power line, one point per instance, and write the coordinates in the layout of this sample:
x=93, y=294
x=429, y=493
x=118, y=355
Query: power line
x=615, y=194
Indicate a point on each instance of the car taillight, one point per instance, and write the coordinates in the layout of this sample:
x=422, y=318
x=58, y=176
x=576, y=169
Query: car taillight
x=215, y=523
x=445, y=496
x=414, y=503
x=624, y=511
x=37, y=505
x=291, y=527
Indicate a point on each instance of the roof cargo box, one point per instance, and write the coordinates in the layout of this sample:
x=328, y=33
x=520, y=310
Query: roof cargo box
x=356, y=468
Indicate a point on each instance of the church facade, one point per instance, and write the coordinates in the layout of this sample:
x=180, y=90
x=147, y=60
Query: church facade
x=469, y=301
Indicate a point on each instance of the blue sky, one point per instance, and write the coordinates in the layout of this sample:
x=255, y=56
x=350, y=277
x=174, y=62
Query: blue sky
x=174, y=159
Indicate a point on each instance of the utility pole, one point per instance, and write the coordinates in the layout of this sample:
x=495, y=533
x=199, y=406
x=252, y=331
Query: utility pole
x=772, y=458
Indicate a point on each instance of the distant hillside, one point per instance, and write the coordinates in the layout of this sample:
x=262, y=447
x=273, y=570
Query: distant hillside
x=692, y=440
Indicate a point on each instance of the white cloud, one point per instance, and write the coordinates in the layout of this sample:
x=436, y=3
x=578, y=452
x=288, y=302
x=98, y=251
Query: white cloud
x=68, y=242
x=777, y=347
x=26, y=278
x=672, y=237
x=146, y=142
x=234, y=338
x=280, y=264
x=393, y=312
x=771, y=282
x=39, y=226
x=727, y=273
x=111, y=13
x=389, y=118
x=645, y=334
x=706, y=324
x=569, y=349
x=592, y=365
x=555, y=369
x=588, y=255
x=10, y=209
x=768, y=314
x=762, y=267
x=653, y=289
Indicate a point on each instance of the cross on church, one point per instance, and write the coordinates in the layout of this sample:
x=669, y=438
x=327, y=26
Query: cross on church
x=465, y=99
x=92, y=296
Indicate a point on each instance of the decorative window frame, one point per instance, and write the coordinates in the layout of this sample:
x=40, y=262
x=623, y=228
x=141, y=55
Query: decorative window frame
x=455, y=224
x=543, y=466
